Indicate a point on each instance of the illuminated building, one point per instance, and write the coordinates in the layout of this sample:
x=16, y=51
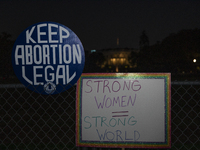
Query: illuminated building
x=117, y=59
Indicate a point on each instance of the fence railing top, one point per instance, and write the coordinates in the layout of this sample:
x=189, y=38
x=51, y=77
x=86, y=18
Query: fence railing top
x=173, y=83
x=185, y=82
x=12, y=86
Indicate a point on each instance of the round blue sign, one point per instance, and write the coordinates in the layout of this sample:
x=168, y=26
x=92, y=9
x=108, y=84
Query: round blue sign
x=48, y=58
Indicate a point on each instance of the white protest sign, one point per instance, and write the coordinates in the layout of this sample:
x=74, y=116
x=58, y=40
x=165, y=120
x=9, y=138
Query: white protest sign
x=123, y=110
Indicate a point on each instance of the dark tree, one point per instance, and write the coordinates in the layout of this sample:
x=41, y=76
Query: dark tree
x=144, y=56
x=94, y=61
x=180, y=49
x=133, y=58
x=144, y=41
x=174, y=54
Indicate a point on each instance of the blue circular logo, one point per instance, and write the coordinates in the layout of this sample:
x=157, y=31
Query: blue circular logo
x=48, y=58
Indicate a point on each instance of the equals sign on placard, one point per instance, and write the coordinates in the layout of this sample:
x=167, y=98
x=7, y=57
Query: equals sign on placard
x=120, y=114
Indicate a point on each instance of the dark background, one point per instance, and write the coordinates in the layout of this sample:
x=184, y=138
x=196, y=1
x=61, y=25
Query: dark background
x=166, y=32
x=98, y=23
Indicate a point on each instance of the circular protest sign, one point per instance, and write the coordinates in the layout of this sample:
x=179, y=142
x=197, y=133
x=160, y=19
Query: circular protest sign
x=48, y=58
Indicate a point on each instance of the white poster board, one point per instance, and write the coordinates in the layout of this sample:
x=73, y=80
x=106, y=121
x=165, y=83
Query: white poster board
x=123, y=110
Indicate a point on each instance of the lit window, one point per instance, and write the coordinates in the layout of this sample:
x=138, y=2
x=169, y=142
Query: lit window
x=92, y=51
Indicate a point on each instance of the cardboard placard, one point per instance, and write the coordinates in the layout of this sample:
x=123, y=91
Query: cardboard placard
x=124, y=110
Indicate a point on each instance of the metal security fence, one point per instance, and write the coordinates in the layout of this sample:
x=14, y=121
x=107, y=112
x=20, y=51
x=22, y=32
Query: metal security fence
x=33, y=121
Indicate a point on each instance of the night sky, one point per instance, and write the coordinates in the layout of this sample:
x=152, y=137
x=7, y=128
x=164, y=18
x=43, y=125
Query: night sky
x=98, y=24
